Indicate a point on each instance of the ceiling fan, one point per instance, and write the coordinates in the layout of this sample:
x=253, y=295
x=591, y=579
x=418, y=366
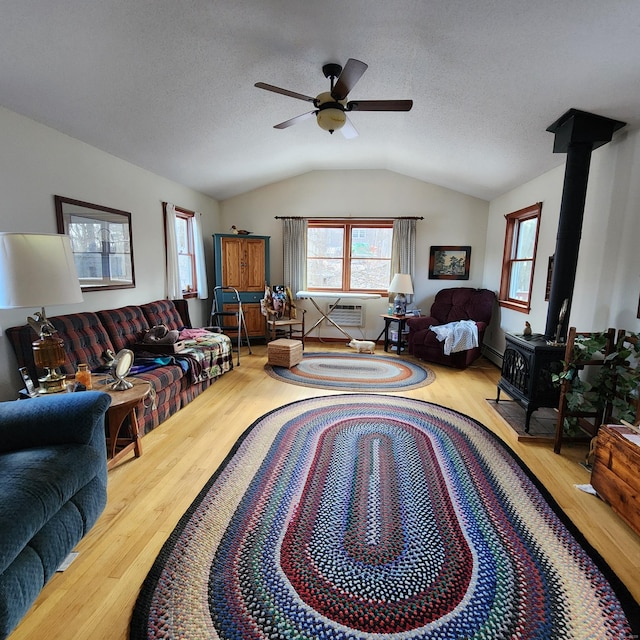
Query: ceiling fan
x=331, y=107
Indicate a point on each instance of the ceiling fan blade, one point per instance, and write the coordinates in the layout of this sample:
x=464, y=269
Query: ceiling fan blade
x=348, y=130
x=380, y=105
x=351, y=73
x=284, y=92
x=292, y=121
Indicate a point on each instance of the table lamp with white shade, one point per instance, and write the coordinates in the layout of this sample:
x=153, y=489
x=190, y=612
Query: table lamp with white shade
x=37, y=270
x=402, y=286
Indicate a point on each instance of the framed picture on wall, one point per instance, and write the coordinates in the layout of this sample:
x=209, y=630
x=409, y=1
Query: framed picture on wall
x=547, y=292
x=449, y=262
x=101, y=241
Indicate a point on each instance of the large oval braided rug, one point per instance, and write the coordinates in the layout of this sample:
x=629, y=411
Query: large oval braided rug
x=354, y=372
x=380, y=517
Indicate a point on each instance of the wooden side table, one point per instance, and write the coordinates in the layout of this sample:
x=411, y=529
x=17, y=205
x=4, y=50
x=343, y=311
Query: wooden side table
x=123, y=404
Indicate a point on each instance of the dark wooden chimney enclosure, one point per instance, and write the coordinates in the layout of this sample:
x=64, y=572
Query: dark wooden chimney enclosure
x=529, y=361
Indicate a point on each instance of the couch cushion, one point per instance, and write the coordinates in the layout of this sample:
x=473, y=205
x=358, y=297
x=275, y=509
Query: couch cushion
x=163, y=312
x=85, y=340
x=34, y=485
x=84, y=337
x=125, y=326
x=20, y=585
x=22, y=580
x=72, y=522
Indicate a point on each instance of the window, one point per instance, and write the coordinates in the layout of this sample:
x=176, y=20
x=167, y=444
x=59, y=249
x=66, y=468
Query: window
x=186, y=255
x=519, y=258
x=349, y=256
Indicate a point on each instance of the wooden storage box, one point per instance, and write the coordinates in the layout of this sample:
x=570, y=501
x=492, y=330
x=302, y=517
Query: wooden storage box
x=616, y=472
x=284, y=352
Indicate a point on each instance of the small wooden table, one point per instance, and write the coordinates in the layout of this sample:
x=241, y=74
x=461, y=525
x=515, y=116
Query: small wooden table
x=123, y=404
x=400, y=344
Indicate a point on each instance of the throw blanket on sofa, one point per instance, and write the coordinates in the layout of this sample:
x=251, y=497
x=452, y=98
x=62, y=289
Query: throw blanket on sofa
x=205, y=356
x=206, y=352
x=457, y=336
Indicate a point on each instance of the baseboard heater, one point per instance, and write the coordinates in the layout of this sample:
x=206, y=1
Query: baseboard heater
x=492, y=354
x=348, y=315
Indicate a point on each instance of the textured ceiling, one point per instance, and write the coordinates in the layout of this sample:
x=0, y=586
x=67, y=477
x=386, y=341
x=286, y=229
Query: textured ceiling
x=168, y=85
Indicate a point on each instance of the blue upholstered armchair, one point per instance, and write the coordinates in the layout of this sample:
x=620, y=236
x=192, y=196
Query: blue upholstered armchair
x=53, y=487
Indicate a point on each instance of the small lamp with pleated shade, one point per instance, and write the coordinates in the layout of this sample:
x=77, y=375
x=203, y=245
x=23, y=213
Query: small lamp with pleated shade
x=401, y=285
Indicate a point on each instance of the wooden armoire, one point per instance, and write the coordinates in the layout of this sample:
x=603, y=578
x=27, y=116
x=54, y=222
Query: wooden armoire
x=242, y=262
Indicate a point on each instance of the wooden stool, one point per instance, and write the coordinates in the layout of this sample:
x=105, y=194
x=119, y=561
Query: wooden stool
x=284, y=352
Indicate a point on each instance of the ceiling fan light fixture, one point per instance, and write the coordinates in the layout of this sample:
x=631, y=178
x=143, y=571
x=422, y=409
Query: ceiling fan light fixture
x=331, y=119
x=331, y=115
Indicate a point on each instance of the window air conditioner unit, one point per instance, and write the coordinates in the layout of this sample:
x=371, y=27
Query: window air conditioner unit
x=348, y=315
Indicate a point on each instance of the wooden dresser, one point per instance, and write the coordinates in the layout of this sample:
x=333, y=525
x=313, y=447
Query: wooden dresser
x=616, y=472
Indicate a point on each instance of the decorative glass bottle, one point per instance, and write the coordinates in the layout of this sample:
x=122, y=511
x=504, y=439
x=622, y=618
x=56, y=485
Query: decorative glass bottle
x=83, y=375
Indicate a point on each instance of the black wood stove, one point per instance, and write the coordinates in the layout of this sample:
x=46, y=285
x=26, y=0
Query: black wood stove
x=529, y=361
x=527, y=366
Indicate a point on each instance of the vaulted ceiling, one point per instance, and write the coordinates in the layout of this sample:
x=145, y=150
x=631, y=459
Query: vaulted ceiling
x=169, y=85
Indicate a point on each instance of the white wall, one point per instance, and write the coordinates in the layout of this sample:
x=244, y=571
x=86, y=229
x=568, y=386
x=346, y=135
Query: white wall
x=608, y=274
x=37, y=163
x=450, y=218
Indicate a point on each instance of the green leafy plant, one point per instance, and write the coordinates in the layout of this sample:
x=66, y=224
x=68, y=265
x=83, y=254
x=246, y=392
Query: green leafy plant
x=616, y=382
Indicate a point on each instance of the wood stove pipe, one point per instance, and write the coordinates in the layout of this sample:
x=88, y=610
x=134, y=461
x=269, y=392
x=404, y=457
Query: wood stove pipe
x=577, y=133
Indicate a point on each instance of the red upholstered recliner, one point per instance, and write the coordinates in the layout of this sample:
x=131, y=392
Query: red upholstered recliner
x=451, y=305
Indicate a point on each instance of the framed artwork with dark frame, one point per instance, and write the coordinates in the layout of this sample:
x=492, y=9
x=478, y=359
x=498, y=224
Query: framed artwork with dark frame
x=547, y=291
x=101, y=241
x=449, y=262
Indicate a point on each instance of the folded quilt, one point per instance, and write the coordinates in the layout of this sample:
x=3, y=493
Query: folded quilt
x=207, y=354
x=197, y=334
x=457, y=336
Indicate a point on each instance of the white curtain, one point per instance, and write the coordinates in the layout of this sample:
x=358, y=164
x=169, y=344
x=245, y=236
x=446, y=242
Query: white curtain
x=403, y=251
x=174, y=290
x=294, y=233
x=201, y=269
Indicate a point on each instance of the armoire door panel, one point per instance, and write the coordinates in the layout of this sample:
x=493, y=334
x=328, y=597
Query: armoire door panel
x=254, y=269
x=232, y=269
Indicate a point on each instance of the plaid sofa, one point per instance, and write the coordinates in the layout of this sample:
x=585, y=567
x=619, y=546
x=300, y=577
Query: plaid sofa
x=88, y=335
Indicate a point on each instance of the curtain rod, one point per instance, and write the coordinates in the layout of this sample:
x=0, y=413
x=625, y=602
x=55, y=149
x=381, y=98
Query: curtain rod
x=346, y=218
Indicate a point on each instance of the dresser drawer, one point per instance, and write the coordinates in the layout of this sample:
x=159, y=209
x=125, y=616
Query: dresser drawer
x=616, y=473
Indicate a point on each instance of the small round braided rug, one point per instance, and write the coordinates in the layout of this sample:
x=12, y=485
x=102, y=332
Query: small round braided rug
x=354, y=372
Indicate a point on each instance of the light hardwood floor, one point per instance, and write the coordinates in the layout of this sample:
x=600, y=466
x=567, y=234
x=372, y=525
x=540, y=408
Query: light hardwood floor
x=93, y=599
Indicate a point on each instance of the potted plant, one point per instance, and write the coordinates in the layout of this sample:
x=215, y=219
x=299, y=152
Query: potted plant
x=613, y=391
